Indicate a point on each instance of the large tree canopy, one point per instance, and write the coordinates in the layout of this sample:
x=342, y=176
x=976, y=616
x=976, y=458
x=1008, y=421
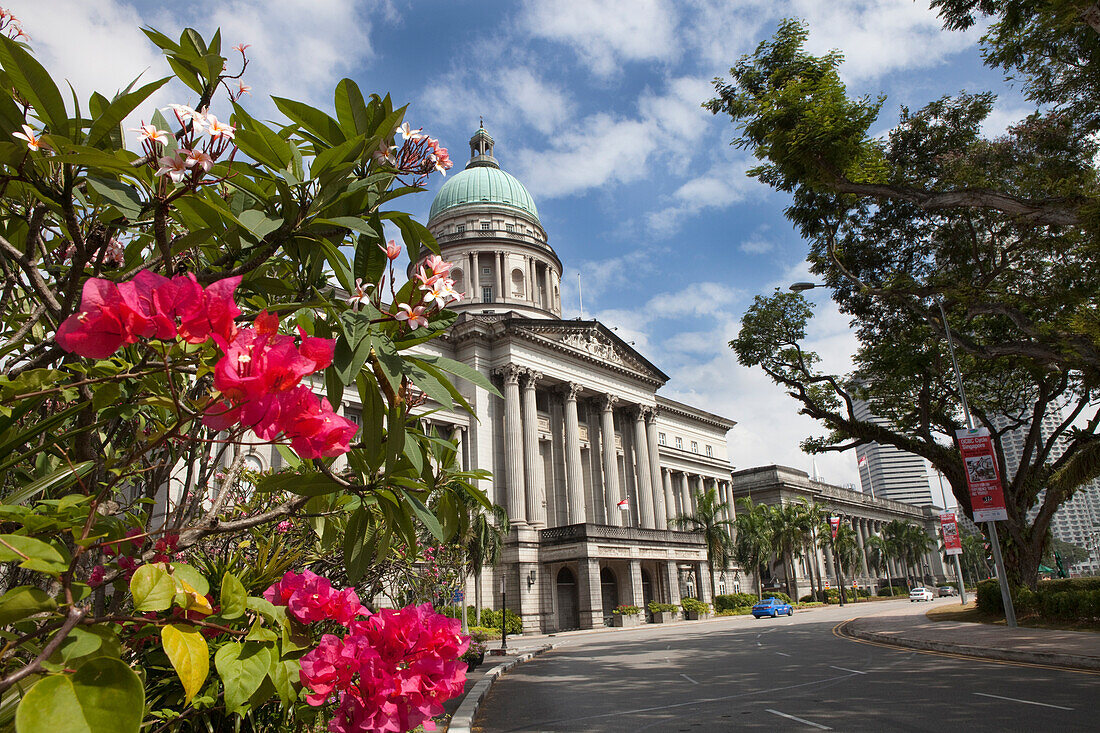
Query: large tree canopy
x=1003, y=232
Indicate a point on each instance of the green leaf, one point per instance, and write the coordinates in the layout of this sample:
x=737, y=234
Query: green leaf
x=84, y=642
x=311, y=120
x=242, y=668
x=259, y=223
x=262, y=606
x=104, y=696
x=189, y=654
x=192, y=577
x=233, y=597
x=118, y=110
x=430, y=521
x=461, y=370
x=351, y=110
x=32, y=554
x=118, y=194
x=285, y=676
x=34, y=84
x=152, y=588
x=60, y=478
x=359, y=542
x=23, y=601
x=308, y=484
x=350, y=222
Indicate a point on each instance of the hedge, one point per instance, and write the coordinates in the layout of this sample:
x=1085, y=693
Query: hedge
x=655, y=607
x=694, y=605
x=489, y=618
x=1064, y=598
x=733, y=601
x=776, y=594
x=892, y=591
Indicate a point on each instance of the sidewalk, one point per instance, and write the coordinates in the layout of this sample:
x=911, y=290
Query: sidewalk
x=463, y=707
x=902, y=627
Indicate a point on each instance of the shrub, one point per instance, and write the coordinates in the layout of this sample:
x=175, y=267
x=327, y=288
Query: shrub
x=989, y=597
x=483, y=633
x=491, y=618
x=776, y=594
x=731, y=601
x=626, y=610
x=891, y=591
x=655, y=607
x=694, y=605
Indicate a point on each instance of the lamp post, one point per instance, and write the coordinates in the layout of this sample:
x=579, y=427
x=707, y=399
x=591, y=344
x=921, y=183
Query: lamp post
x=503, y=614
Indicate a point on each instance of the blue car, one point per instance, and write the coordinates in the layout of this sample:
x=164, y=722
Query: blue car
x=772, y=607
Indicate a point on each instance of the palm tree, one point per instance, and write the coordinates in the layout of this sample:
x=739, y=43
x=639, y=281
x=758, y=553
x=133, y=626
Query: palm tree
x=752, y=546
x=814, y=516
x=787, y=532
x=878, y=557
x=483, y=546
x=717, y=532
x=846, y=549
x=896, y=544
x=919, y=544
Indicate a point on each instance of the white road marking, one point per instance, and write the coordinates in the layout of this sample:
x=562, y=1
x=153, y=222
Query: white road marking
x=845, y=669
x=1026, y=702
x=819, y=726
x=784, y=654
x=689, y=679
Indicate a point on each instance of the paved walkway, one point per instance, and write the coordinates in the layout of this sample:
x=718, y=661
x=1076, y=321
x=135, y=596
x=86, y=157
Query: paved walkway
x=903, y=627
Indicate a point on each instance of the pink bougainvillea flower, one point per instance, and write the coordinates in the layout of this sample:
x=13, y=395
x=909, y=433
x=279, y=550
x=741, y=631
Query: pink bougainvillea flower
x=315, y=431
x=142, y=315
x=175, y=166
x=96, y=331
x=414, y=316
x=203, y=312
x=151, y=133
x=32, y=140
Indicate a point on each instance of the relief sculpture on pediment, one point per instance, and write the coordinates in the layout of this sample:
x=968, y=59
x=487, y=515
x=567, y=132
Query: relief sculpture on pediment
x=593, y=346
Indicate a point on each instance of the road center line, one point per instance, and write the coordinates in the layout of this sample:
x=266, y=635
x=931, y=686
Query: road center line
x=1025, y=702
x=784, y=654
x=689, y=679
x=845, y=669
x=819, y=726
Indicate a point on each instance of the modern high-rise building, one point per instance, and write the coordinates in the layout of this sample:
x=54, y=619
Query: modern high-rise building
x=887, y=472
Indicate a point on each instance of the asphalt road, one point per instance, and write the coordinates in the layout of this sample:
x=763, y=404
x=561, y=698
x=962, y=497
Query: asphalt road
x=778, y=674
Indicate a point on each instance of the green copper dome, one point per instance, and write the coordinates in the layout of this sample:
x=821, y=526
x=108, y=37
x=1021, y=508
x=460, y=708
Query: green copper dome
x=483, y=184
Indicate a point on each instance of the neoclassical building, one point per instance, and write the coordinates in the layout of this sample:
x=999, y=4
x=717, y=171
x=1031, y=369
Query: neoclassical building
x=866, y=514
x=589, y=461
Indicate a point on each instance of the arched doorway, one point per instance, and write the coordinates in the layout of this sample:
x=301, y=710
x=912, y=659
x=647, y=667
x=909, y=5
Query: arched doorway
x=609, y=590
x=647, y=593
x=569, y=616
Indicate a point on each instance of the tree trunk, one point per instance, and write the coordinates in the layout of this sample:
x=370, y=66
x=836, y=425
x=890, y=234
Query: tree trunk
x=791, y=586
x=462, y=603
x=889, y=577
x=810, y=562
x=1022, y=563
x=477, y=595
x=759, y=586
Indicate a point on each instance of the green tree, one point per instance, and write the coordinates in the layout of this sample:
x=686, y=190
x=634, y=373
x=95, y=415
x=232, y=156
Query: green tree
x=1001, y=231
x=717, y=532
x=878, y=557
x=752, y=547
x=485, y=545
x=1070, y=553
x=787, y=528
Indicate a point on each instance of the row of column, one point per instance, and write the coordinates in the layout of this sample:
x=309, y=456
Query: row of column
x=658, y=501
x=500, y=279
x=867, y=528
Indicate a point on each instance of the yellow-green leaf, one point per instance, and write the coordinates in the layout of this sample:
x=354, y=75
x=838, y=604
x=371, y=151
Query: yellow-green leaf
x=189, y=654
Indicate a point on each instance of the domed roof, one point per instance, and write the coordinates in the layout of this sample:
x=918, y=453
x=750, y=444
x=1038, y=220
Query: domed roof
x=483, y=184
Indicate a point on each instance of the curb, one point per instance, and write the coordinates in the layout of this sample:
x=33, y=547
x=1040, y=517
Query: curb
x=463, y=718
x=1053, y=659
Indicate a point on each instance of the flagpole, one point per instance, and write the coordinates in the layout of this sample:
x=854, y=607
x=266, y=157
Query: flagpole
x=870, y=481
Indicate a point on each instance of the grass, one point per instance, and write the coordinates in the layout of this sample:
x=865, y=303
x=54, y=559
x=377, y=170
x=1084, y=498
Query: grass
x=970, y=613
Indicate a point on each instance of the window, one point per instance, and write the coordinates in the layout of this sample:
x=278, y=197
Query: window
x=662, y=439
x=509, y=227
x=680, y=443
x=484, y=226
x=694, y=447
x=355, y=416
x=710, y=452
x=487, y=294
x=460, y=228
x=486, y=271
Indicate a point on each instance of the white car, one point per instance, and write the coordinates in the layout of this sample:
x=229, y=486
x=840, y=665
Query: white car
x=920, y=594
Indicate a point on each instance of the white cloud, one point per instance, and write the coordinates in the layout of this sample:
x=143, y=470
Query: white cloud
x=1002, y=117
x=606, y=33
x=724, y=184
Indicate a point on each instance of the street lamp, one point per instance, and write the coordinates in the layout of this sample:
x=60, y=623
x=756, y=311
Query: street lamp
x=799, y=287
x=503, y=614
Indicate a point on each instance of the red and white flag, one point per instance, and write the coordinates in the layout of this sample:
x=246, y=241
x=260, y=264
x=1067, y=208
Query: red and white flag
x=861, y=461
x=624, y=505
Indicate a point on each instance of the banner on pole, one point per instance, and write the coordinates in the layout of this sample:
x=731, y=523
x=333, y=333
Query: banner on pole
x=952, y=543
x=834, y=522
x=982, y=477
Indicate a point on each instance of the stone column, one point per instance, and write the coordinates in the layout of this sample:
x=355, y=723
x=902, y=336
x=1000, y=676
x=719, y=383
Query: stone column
x=704, y=582
x=660, y=513
x=859, y=539
x=637, y=597
x=473, y=295
x=685, y=493
x=535, y=477
x=513, y=447
x=502, y=277
x=643, y=468
x=458, y=435
x=693, y=490
x=670, y=500
x=574, y=479
x=610, y=460
x=531, y=294
x=673, y=582
x=830, y=570
x=591, y=595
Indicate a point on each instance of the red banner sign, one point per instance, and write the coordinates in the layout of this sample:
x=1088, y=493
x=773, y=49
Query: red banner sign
x=982, y=477
x=952, y=543
x=834, y=522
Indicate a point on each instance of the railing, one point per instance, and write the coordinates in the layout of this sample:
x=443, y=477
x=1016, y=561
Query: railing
x=579, y=532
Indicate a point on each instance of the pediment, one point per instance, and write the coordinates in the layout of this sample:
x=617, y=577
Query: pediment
x=593, y=342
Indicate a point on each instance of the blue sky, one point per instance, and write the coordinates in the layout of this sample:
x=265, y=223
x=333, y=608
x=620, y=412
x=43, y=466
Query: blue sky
x=595, y=106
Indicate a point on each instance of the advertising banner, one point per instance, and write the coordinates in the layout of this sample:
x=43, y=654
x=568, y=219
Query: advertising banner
x=952, y=543
x=834, y=522
x=982, y=477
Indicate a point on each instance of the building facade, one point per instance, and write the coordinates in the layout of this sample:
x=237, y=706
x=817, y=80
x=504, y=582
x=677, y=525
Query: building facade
x=589, y=461
x=886, y=472
x=867, y=515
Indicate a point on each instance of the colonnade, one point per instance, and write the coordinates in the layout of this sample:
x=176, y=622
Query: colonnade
x=866, y=528
x=660, y=493
x=537, y=282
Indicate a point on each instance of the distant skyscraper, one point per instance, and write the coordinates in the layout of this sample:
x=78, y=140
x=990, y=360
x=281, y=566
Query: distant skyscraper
x=887, y=472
